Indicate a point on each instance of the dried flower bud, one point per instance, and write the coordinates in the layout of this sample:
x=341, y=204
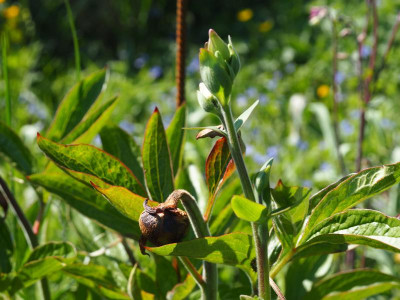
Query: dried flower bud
x=163, y=224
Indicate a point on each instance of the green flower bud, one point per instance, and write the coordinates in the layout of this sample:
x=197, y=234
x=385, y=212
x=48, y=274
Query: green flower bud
x=207, y=100
x=215, y=43
x=234, y=58
x=215, y=76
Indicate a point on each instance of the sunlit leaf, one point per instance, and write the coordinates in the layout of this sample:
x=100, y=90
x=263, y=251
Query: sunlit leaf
x=317, y=197
x=126, y=202
x=244, y=116
x=234, y=249
x=87, y=201
x=91, y=160
x=96, y=277
x=360, y=227
x=75, y=105
x=118, y=143
x=182, y=290
x=91, y=124
x=248, y=210
x=13, y=148
x=354, y=190
x=157, y=163
x=176, y=135
x=44, y=260
x=353, y=285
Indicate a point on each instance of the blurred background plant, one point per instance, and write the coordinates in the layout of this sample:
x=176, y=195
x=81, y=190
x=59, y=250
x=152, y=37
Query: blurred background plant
x=307, y=63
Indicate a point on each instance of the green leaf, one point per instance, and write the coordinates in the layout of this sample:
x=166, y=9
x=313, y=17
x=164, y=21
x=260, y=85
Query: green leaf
x=221, y=220
x=182, y=290
x=234, y=249
x=44, y=260
x=6, y=249
x=244, y=116
x=126, y=202
x=261, y=183
x=96, y=277
x=87, y=201
x=157, y=160
x=354, y=190
x=175, y=137
x=63, y=250
x=91, y=124
x=317, y=197
x=13, y=148
x=249, y=210
x=91, y=160
x=118, y=143
x=353, y=285
x=75, y=105
x=292, y=199
x=135, y=289
x=360, y=227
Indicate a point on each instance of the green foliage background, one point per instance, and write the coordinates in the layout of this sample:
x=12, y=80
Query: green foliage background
x=286, y=64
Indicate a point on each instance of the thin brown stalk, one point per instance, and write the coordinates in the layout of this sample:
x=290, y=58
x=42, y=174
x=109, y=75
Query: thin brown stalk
x=180, y=51
x=367, y=84
x=336, y=96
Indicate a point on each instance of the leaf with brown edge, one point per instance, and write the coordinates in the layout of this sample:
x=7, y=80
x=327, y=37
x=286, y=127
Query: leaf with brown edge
x=86, y=200
x=219, y=167
x=156, y=158
x=91, y=160
x=126, y=202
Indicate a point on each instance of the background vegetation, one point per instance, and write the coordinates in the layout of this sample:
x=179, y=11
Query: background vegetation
x=288, y=64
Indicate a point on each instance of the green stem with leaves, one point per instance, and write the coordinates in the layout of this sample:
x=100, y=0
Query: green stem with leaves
x=209, y=290
x=260, y=232
x=30, y=237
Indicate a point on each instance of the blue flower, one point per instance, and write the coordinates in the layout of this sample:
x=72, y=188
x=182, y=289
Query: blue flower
x=325, y=166
x=302, y=145
x=272, y=151
x=193, y=66
x=339, y=77
x=346, y=128
x=156, y=72
x=127, y=126
x=365, y=51
x=140, y=61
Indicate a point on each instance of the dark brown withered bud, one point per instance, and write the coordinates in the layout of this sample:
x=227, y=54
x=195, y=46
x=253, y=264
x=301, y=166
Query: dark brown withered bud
x=162, y=224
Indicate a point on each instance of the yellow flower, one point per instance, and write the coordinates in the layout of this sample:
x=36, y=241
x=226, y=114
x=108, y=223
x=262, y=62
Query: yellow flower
x=265, y=26
x=245, y=15
x=2, y=1
x=11, y=12
x=323, y=91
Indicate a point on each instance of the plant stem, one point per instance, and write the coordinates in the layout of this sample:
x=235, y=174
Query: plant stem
x=367, y=85
x=75, y=41
x=281, y=263
x=210, y=273
x=192, y=270
x=31, y=238
x=336, y=96
x=260, y=235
